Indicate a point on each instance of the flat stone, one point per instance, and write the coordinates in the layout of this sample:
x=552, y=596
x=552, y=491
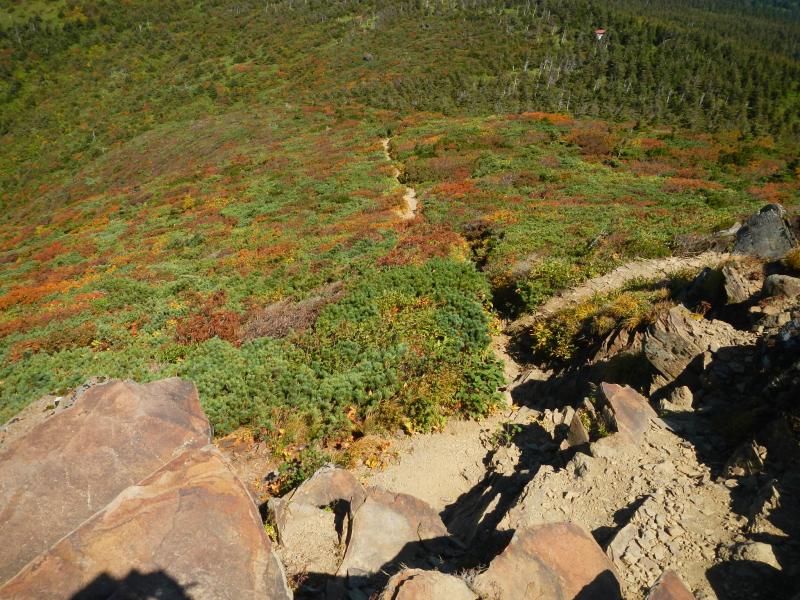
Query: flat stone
x=555, y=560
x=189, y=529
x=416, y=584
x=669, y=587
x=73, y=464
x=631, y=411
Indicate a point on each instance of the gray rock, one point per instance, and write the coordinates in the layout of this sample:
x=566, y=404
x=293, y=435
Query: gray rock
x=766, y=234
x=738, y=288
x=678, y=337
x=781, y=285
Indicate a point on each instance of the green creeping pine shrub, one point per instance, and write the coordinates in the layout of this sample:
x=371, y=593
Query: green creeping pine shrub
x=544, y=280
x=478, y=393
x=360, y=354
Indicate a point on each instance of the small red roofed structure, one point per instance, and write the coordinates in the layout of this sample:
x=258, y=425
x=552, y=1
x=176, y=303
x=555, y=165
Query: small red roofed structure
x=599, y=33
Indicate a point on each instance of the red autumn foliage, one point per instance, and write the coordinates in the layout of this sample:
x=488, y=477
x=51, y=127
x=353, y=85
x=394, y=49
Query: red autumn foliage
x=210, y=321
x=61, y=339
x=49, y=252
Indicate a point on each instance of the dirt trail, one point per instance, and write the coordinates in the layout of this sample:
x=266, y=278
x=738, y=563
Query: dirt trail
x=647, y=269
x=410, y=194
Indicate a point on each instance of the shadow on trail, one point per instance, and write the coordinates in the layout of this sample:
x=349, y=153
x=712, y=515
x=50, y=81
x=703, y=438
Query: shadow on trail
x=474, y=516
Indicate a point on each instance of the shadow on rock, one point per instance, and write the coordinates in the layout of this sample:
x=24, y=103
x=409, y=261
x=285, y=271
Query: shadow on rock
x=134, y=586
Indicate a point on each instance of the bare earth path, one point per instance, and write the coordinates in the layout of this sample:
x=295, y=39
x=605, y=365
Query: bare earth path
x=648, y=269
x=410, y=194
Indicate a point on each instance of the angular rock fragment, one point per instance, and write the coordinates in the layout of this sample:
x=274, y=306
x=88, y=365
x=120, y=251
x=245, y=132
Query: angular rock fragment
x=738, y=288
x=782, y=285
x=669, y=587
x=680, y=400
x=188, y=530
x=630, y=410
x=577, y=436
x=313, y=522
x=73, y=464
x=678, y=337
x=391, y=530
x=556, y=560
x=416, y=584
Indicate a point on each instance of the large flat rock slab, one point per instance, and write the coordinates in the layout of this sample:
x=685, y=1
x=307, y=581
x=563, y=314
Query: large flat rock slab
x=189, y=530
x=555, y=560
x=73, y=464
x=631, y=411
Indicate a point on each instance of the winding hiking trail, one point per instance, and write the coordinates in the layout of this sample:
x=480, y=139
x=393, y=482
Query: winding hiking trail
x=410, y=195
x=647, y=269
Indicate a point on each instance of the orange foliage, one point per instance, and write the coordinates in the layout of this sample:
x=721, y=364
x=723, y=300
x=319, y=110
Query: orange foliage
x=680, y=184
x=456, y=189
x=775, y=192
x=60, y=339
x=558, y=119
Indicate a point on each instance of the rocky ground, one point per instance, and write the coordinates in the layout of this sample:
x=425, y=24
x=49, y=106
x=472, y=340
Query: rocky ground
x=580, y=487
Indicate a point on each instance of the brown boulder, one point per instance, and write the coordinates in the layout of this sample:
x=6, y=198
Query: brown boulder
x=189, y=529
x=388, y=530
x=669, y=587
x=556, y=560
x=73, y=464
x=416, y=584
